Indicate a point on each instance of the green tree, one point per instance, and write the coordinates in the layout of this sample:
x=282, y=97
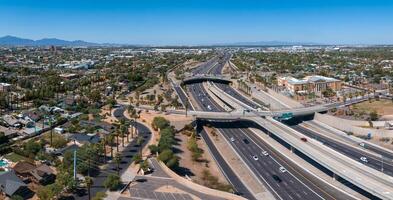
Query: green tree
x=373, y=115
x=166, y=155
x=112, y=182
x=160, y=123
x=117, y=160
x=89, y=183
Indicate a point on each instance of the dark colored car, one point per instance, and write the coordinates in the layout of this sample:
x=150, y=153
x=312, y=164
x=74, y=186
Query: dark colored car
x=277, y=178
x=246, y=141
x=304, y=139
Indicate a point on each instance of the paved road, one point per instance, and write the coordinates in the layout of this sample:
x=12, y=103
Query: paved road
x=354, y=153
x=283, y=185
x=293, y=184
x=386, y=154
x=291, y=189
x=183, y=97
x=144, y=187
x=130, y=150
x=229, y=90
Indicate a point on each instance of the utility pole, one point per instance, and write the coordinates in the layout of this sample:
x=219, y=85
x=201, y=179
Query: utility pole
x=75, y=165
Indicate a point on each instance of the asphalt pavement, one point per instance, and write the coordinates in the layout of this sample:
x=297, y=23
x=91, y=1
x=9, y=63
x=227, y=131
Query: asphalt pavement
x=354, y=153
x=126, y=158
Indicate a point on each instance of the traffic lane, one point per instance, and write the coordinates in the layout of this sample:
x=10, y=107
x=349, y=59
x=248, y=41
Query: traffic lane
x=237, y=184
x=126, y=159
x=203, y=99
x=261, y=173
x=353, y=153
x=235, y=181
x=182, y=96
x=369, y=147
x=268, y=166
x=314, y=183
x=229, y=90
x=287, y=192
x=213, y=104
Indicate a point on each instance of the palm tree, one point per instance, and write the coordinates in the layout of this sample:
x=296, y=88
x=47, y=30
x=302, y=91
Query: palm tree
x=103, y=143
x=117, y=134
x=89, y=183
x=117, y=160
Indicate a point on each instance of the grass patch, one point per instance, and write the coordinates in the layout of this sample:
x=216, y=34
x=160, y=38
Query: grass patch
x=14, y=157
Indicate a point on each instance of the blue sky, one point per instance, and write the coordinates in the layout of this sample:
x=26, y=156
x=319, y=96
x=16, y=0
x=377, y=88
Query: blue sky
x=167, y=22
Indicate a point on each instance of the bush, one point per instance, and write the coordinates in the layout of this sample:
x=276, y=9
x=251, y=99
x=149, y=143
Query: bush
x=160, y=123
x=212, y=182
x=112, y=182
x=373, y=116
x=153, y=149
x=165, y=155
x=137, y=158
x=99, y=196
x=173, y=163
x=193, y=147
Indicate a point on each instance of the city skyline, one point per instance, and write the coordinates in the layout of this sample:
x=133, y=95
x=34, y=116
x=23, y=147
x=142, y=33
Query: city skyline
x=203, y=22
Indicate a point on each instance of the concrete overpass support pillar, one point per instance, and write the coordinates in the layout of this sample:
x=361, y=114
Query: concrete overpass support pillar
x=334, y=176
x=292, y=149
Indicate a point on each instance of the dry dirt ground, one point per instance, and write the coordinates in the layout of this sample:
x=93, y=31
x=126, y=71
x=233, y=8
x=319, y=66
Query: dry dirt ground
x=382, y=107
x=196, y=168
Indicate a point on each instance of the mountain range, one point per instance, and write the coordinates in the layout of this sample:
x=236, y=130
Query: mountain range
x=16, y=41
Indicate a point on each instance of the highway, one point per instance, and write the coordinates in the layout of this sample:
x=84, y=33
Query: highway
x=354, y=153
x=378, y=150
x=268, y=167
x=286, y=186
x=182, y=96
x=229, y=90
x=205, y=67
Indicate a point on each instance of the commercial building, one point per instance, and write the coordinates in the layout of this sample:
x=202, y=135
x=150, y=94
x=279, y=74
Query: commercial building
x=309, y=84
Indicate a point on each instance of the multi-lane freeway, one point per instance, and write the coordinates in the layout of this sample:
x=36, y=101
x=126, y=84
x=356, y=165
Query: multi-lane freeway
x=370, y=160
x=283, y=182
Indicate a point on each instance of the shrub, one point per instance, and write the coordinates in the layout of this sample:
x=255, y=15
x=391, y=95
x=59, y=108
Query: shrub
x=160, y=123
x=173, y=163
x=153, y=149
x=99, y=196
x=165, y=155
x=112, y=182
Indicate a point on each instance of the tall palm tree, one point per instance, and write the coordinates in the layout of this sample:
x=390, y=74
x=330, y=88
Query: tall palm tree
x=117, y=160
x=117, y=134
x=89, y=183
x=103, y=144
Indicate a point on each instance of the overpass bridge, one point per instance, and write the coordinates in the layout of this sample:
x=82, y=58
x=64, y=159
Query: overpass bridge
x=237, y=114
x=206, y=77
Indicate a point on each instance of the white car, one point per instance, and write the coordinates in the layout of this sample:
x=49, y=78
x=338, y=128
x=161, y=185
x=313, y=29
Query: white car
x=265, y=153
x=232, y=139
x=282, y=169
x=362, y=144
x=255, y=157
x=364, y=159
x=209, y=107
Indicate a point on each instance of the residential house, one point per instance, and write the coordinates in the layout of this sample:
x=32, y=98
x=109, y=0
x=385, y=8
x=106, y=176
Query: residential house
x=40, y=174
x=11, y=184
x=81, y=139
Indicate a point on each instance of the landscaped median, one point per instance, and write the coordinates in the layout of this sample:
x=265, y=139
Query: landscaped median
x=196, y=165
